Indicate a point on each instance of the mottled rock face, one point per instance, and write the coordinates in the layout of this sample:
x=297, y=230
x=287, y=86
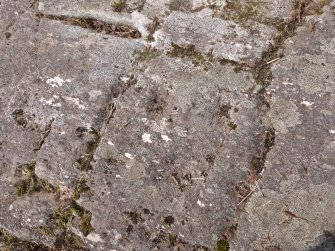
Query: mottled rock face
x=160, y=157
x=167, y=125
x=224, y=39
x=298, y=180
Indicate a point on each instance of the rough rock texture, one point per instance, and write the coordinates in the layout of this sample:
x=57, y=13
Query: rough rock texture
x=224, y=39
x=299, y=173
x=167, y=125
x=161, y=161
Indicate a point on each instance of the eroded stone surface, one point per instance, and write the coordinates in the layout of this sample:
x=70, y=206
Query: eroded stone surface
x=263, y=11
x=108, y=144
x=56, y=84
x=299, y=174
x=223, y=39
x=160, y=159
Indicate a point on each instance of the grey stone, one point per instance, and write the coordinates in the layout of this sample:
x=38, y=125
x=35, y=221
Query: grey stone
x=224, y=39
x=264, y=11
x=299, y=173
x=171, y=140
x=170, y=151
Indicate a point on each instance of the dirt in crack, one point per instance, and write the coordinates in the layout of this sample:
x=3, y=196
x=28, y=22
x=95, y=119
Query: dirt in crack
x=263, y=76
x=83, y=163
x=302, y=8
x=96, y=25
x=44, y=135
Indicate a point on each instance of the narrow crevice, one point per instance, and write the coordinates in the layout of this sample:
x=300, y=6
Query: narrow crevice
x=29, y=182
x=44, y=135
x=95, y=25
x=205, y=60
x=83, y=163
x=69, y=212
x=263, y=77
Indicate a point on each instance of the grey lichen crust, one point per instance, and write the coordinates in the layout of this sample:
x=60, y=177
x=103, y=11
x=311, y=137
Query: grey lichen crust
x=167, y=125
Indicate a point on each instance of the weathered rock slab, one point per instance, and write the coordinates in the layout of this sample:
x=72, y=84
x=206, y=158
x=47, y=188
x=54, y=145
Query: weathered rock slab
x=296, y=200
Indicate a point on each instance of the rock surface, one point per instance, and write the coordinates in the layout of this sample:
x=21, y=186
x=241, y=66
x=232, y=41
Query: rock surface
x=167, y=125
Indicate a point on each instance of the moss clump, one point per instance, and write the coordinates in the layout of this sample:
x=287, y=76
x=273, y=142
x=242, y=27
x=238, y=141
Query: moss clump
x=85, y=223
x=119, y=5
x=319, y=6
x=242, y=12
x=30, y=183
x=10, y=243
x=22, y=187
x=80, y=188
x=222, y=245
x=83, y=163
x=65, y=215
x=191, y=52
x=147, y=54
x=46, y=231
x=180, y=5
x=18, y=115
x=169, y=220
x=187, y=51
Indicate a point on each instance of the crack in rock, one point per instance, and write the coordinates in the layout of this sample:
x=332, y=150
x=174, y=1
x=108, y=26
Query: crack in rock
x=96, y=25
x=84, y=162
x=263, y=77
x=45, y=134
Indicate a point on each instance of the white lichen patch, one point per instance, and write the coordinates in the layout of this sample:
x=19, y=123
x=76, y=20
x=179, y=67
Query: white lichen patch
x=94, y=237
x=110, y=143
x=47, y=101
x=284, y=114
x=332, y=131
x=165, y=138
x=75, y=101
x=129, y=156
x=94, y=94
x=141, y=22
x=57, y=81
x=146, y=138
x=201, y=204
x=306, y=103
x=125, y=79
x=57, y=105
